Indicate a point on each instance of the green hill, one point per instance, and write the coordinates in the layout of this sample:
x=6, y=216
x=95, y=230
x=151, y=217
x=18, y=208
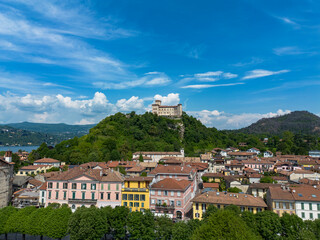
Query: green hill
x=298, y=122
x=118, y=136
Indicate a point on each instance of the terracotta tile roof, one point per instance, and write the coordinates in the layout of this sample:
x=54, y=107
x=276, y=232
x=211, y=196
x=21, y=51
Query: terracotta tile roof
x=102, y=165
x=185, y=170
x=47, y=160
x=254, y=175
x=302, y=171
x=112, y=164
x=43, y=186
x=263, y=185
x=210, y=185
x=148, y=164
x=241, y=154
x=309, y=182
x=306, y=193
x=237, y=199
x=171, y=184
x=35, y=182
x=34, y=167
x=214, y=175
x=279, y=178
x=136, y=169
x=140, y=179
x=198, y=166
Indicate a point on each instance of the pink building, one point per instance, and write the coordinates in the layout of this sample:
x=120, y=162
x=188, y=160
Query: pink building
x=259, y=165
x=85, y=187
x=171, y=197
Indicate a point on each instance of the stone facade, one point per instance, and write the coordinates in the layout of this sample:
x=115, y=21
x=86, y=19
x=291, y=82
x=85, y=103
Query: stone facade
x=6, y=178
x=166, y=111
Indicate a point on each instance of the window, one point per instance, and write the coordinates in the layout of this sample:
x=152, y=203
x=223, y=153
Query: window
x=49, y=195
x=171, y=203
x=142, y=197
x=310, y=206
x=130, y=196
x=57, y=185
x=277, y=204
x=142, y=204
x=172, y=193
x=74, y=186
x=42, y=193
x=159, y=192
x=166, y=193
x=92, y=196
x=101, y=195
x=65, y=185
x=318, y=215
x=93, y=186
x=179, y=194
x=197, y=215
x=136, y=204
x=131, y=204
x=311, y=215
x=124, y=196
x=73, y=206
x=64, y=195
x=302, y=206
x=83, y=195
x=136, y=197
x=125, y=204
x=178, y=203
x=73, y=195
x=117, y=196
x=153, y=201
x=101, y=186
x=203, y=206
x=108, y=186
x=117, y=187
x=291, y=205
x=21, y=172
x=318, y=206
x=83, y=186
x=159, y=202
x=109, y=196
x=197, y=206
x=302, y=215
x=153, y=192
x=50, y=185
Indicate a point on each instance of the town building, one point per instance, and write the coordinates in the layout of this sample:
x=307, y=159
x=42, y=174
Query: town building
x=254, y=150
x=280, y=200
x=167, y=111
x=42, y=194
x=136, y=193
x=25, y=197
x=314, y=153
x=85, y=187
x=157, y=156
x=267, y=154
x=260, y=189
x=47, y=162
x=242, y=155
x=298, y=174
x=222, y=199
x=171, y=197
x=33, y=170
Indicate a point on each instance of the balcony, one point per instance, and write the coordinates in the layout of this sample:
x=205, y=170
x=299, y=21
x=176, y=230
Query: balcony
x=135, y=190
x=164, y=207
x=82, y=201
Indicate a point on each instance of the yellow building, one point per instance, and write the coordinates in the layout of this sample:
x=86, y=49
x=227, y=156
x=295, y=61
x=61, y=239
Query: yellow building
x=280, y=200
x=220, y=200
x=136, y=194
x=33, y=169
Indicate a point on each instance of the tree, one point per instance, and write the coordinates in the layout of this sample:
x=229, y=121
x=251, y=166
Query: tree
x=210, y=210
x=269, y=225
x=87, y=223
x=224, y=225
x=233, y=208
x=118, y=222
x=141, y=225
x=267, y=179
x=140, y=158
x=234, y=190
x=5, y=214
x=181, y=231
x=17, y=222
x=57, y=222
x=163, y=228
x=36, y=221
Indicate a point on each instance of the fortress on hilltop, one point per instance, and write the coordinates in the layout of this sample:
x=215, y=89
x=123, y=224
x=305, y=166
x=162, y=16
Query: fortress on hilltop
x=166, y=111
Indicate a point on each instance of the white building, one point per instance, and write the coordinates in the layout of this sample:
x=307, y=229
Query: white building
x=43, y=194
x=296, y=175
x=47, y=161
x=156, y=156
x=314, y=153
x=166, y=111
x=254, y=150
x=307, y=202
x=268, y=154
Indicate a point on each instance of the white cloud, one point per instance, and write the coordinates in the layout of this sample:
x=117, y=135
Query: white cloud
x=201, y=86
x=170, y=99
x=211, y=76
x=222, y=120
x=229, y=75
x=132, y=104
x=208, y=74
x=258, y=73
x=287, y=20
x=290, y=51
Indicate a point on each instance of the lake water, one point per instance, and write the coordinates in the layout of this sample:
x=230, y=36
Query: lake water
x=17, y=148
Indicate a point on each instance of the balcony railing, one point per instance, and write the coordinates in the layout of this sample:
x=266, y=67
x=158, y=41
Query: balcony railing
x=162, y=206
x=82, y=201
x=135, y=189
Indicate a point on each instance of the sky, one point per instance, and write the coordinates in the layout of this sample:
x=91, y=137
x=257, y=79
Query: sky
x=229, y=63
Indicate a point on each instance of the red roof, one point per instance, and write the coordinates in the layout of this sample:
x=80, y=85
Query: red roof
x=171, y=184
x=172, y=170
x=47, y=160
x=211, y=185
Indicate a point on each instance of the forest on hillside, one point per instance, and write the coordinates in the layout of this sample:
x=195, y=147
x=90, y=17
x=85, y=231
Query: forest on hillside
x=118, y=136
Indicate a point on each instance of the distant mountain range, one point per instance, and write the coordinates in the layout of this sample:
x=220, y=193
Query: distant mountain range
x=302, y=122
x=27, y=133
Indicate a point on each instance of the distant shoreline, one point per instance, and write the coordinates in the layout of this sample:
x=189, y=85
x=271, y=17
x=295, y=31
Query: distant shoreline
x=17, y=148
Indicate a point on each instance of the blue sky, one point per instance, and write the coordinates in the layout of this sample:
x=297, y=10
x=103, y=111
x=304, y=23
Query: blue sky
x=229, y=63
